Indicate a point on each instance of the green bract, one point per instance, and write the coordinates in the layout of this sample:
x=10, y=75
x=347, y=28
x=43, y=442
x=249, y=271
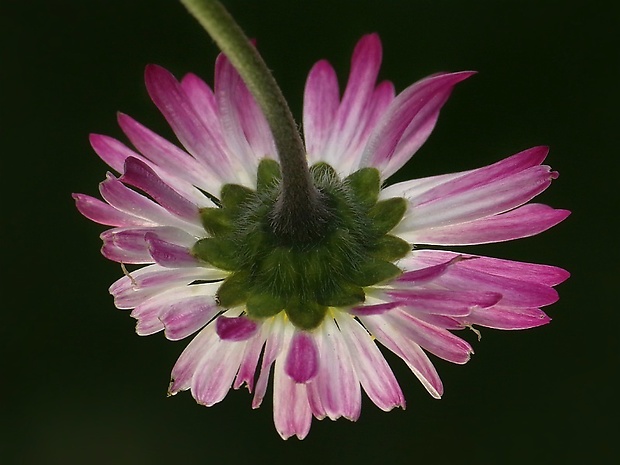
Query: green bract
x=270, y=275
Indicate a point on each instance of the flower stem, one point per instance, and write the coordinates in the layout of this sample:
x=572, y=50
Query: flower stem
x=299, y=214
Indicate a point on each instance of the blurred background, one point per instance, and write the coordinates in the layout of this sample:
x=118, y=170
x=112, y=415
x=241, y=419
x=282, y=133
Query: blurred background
x=79, y=387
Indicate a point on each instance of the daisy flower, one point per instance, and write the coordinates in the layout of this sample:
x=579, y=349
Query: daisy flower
x=198, y=220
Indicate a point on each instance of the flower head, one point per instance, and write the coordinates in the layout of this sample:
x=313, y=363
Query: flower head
x=200, y=221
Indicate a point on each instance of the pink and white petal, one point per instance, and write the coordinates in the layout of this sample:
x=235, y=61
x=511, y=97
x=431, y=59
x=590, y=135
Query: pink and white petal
x=216, y=371
x=382, y=97
x=168, y=156
x=111, y=151
x=515, y=292
x=416, y=273
x=527, y=220
x=126, y=245
x=185, y=317
x=238, y=110
x=149, y=312
x=410, y=352
x=416, y=187
x=185, y=367
x=115, y=153
x=239, y=328
x=195, y=136
x=103, y=213
x=140, y=285
x=451, y=205
x=336, y=385
x=321, y=101
x=140, y=175
x=203, y=101
x=375, y=309
x=253, y=349
x=279, y=336
x=291, y=410
x=442, y=321
x=130, y=245
x=501, y=317
x=357, y=97
x=370, y=366
x=409, y=119
x=129, y=201
x=231, y=96
x=169, y=254
x=522, y=271
x=302, y=358
x=443, y=302
x=433, y=339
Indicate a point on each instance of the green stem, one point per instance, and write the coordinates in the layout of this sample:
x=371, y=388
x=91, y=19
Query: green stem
x=299, y=214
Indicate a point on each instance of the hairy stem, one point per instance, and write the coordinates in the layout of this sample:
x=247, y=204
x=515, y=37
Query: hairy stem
x=299, y=214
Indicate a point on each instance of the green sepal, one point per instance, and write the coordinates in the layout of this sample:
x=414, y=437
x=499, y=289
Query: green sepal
x=391, y=248
x=305, y=315
x=216, y=221
x=268, y=174
x=322, y=172
x=347, y=294
x=221, y=253
x=278, y=270
x=233, y=195
x=365, y=184
x=387, y=214
x=374, y=272
x=263, y=305
x=234, y=290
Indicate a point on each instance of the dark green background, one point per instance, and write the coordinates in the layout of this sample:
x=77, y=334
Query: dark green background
x=79, y=387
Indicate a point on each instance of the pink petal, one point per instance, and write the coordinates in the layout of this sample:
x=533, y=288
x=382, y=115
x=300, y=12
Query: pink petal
x=149, y=313
x=382, y=96
x=302, y=360
x=126, y=245
x=202, y=99
x=170, y=255
x=435, y=340
x=376, y=309
x=408, y=121
x=425, y=274
x=102, y=213
x=216, y=371
x=140, y=285
x=235, y=329
x=525, y=221
x=187, y=316
x=232, y=96
x=168, y=156
x=185, y=367
x=411, y=353
x=247, y=370
x=443, y=302
x=371, y=368
x=140, y=175
x=353, y=110
x=336, y=385
x=321, y=100
x=490, y=199
x=532, y=272
x=115, y=153
x=195, y=136
x=241, y=118
x=124, y=199
x=500, y=317
x=280, y=333
x=291, y=411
